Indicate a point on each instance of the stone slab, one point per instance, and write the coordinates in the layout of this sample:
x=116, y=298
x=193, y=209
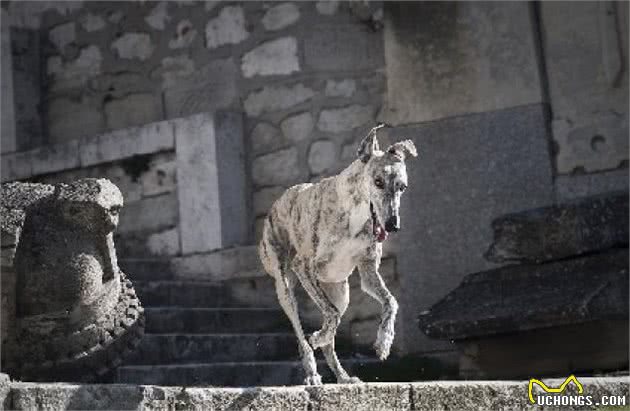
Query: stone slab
x=570, y=187
x=211, y=181
x=230, y=263
x=431, y=395
x=469, y=171
x=526, y=297
x=552, y=233
x=448, y=59
x=57, y=157
x=149, y=214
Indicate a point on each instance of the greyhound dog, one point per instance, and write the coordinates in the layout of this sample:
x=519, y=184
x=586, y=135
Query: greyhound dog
x=318, y=234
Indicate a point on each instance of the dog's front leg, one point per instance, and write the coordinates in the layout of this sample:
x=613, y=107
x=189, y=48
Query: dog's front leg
x=373, y=284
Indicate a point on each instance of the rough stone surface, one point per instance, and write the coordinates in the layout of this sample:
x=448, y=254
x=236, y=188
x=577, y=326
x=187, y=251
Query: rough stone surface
x=133, y=110
x=274, y=57
x=272, y=98
x=589, y=225
x=134, y=46
x=227, y=28
x=298, y=127
x=345, y=119
x=585, y=53
x=322, y=156
x=71, y=293
x=74, y=73
x=266, y=138
x=203, y=90
x=211, y=181
x=343, y=47
x=8, y=136
x=501, y=166
x=62, y=35
x=511, y=299
x=220, y=265
x=184, y=35
x=420, y=396
x=342, y=88
x=434, y=57
x=264, y=198
x=279, y=168
x=134, y=216
x=327, y=7
x=91, y=22
x=70, y=119
x=158, y=17
x=281, y=16
x=572, y=187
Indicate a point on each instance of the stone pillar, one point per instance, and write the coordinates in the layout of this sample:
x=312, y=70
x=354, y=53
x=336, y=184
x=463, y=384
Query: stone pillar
x=7, y=140
x=211, y=182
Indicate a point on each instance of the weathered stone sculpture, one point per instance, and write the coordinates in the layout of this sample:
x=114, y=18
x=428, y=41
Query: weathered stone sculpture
x=76, y=313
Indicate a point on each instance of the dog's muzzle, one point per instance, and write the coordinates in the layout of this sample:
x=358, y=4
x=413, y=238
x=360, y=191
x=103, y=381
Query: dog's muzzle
x=392, y=224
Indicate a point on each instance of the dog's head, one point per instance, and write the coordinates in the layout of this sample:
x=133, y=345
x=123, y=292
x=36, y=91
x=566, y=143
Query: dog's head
x=386, y=176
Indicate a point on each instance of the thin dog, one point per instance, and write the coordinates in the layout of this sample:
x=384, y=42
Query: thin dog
x=318, y=234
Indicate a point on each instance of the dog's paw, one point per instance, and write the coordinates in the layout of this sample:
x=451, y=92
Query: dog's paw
x=349, y=380
x=319, y=340
x=383, y=344
x=313, y=379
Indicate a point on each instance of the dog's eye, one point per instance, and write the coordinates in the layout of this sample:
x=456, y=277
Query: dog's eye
x=402, y=187
x=379, y=183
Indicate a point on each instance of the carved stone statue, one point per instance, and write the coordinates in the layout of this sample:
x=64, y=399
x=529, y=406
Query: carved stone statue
x=76, y=313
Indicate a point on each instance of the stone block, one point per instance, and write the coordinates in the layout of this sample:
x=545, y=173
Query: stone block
x=227, y=28
x=211, y=181
x=280, y=16
x=62, y=35
x=74, y=74
x=342, y=88
x=16, y=166
x=298, y=127
x=278, y=168
x=91, y=22
x=265, y=138
x=264, y=198
x=54, y=158
x=69, y=119
x=435, y=51
x=470, y=170
x=160, y=178
x=585, y=52
x=336, y=120
x=149, y=214
x=583, y=185
x=133, y=46
x=158, y=17
x=231, y=263
x=366, y=397
x=126, y=143
x=120, y=85
x=552, y=233
x=274, y=57
x=275, y=98
x=526, y=297
x=7, y=138
x=342, y=47
x=164, y=243
x=133, y=110
x=206, y=89
x=322, y=155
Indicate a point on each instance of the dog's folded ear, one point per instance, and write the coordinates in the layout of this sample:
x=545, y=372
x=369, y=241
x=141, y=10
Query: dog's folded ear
x=369, y=145
x=402, y=149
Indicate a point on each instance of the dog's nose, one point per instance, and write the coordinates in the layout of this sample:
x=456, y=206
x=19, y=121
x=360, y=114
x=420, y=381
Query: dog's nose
x=392, y=224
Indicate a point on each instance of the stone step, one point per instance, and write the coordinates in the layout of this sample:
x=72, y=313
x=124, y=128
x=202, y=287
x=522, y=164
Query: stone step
x=239, y=374
x=215, y=320
x=194, y=348
x=257, y=292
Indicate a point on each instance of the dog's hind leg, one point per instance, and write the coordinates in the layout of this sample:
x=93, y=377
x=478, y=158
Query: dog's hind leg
x=285, y=285
x=339, y=295
x=307, y=274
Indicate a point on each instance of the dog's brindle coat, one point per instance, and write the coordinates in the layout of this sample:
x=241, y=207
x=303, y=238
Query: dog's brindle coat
x=318, y=233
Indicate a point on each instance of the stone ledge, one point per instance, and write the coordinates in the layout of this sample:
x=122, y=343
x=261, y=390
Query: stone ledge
x=435, y=395
x=90, y=151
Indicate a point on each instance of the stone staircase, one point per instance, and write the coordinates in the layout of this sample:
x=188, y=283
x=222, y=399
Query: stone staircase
x=228, y=333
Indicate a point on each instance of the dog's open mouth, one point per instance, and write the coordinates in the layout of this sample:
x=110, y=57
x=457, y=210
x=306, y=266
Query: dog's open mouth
x=377, y=229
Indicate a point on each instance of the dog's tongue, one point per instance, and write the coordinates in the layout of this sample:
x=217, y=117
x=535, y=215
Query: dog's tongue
x=381, y=234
